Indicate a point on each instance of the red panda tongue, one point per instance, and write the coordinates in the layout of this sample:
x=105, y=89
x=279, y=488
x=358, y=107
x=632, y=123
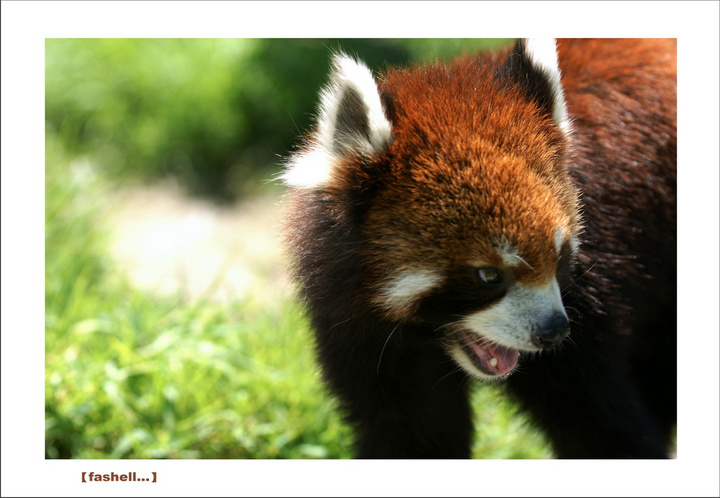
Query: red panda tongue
x=493, y=358
x=506, y=358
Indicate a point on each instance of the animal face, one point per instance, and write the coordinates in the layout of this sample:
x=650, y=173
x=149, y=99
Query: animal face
x=489, y=282
x=465, y=216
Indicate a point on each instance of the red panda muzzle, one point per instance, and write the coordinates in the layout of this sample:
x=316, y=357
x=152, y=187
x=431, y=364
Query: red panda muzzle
x=492, y=359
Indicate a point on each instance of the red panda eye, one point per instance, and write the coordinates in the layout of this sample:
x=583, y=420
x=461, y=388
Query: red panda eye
x=488, y=275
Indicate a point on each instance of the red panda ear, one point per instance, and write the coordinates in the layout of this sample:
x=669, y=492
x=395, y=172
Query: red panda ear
x=352, y=119
x=533, y=64
x=351, y=122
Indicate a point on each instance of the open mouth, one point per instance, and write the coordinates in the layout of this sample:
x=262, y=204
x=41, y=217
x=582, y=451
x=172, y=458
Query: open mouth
x=491, y=359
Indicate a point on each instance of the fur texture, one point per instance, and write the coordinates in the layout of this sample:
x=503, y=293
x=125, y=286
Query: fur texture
x=452, y=220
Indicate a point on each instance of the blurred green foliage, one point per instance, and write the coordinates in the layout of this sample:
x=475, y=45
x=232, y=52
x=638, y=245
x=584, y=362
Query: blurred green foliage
x=217, y=114
x=133, y=375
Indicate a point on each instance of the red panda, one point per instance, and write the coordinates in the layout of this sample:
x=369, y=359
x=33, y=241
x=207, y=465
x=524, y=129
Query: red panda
x=507, y=217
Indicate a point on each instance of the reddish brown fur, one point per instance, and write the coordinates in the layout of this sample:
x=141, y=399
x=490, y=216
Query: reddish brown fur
x=621, y=94
x=470, y=170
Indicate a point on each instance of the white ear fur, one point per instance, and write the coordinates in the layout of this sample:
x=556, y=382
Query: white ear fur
x=351, y=121
x=542, y=54
x=352, y=78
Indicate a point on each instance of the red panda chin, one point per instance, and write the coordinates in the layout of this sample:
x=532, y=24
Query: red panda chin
x=490, y=359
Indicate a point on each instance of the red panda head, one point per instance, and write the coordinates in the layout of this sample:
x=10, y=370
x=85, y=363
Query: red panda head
x=467, y=215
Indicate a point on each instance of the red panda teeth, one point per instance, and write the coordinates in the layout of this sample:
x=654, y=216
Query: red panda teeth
x=495, y=359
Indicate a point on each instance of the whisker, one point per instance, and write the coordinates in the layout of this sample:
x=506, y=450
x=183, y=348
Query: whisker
x=524, y=262
x=581, y=276
x=344, y=321
x=383, y=349
x=455, y=369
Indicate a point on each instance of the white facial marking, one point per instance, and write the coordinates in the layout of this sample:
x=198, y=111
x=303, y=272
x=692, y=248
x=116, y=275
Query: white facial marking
x=574, y=244
x=403, y=289
x=510, y=256
x=510, y=321
x=410, y=284
x=559, y=237
x=542, y=52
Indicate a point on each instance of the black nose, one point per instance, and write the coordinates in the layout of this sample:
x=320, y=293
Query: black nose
x=552, y=331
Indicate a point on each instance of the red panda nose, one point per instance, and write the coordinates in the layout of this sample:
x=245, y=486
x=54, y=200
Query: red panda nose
x=552, y=331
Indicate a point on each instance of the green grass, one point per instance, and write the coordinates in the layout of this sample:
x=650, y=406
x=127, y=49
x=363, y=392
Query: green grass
x=140, y=376
x=133, y=375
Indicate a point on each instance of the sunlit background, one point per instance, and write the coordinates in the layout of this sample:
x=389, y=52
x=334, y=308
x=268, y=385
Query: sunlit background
x=171, y=325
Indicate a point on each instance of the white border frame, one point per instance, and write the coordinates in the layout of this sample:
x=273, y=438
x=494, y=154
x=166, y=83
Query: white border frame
x=25, y=25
